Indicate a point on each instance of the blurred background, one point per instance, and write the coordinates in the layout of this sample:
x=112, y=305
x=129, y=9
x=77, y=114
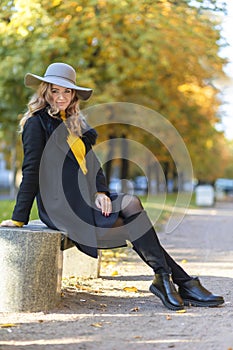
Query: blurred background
x=173, y=57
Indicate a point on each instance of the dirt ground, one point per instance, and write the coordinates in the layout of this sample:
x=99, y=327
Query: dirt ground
x=116, y=311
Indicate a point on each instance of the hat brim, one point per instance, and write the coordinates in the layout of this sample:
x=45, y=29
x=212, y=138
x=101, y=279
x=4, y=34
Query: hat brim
x=32, y=81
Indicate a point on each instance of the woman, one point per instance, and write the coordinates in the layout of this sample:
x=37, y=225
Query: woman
x=62, y=172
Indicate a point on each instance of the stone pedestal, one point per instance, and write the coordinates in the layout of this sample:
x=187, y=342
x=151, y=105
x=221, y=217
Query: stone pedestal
x=30, y=268
x=32, y=265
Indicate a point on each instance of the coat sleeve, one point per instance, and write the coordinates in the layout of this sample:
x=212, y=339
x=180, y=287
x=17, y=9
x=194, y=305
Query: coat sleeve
x=33, y=145
x=94, y=167
x=101, y=184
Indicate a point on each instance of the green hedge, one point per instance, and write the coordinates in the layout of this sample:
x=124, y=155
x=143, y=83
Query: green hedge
x=151, y=205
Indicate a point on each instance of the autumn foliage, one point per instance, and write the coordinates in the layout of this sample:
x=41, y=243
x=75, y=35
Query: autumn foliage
x=161, y=54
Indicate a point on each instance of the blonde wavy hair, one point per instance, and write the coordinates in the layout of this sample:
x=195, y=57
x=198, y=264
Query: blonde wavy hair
x=75, y=121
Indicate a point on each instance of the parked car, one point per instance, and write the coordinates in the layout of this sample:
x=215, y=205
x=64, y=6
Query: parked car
x=224, y=185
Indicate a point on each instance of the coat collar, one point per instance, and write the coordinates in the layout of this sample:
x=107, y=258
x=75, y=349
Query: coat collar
x=55, y=128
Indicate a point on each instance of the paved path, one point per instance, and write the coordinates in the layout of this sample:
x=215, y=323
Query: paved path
x=102, y=314
x=205, y=240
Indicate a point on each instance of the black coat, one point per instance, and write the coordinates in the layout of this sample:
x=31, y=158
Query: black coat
x=65, y=196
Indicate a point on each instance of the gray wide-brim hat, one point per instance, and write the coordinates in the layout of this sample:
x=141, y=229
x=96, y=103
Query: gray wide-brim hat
x=60, y=74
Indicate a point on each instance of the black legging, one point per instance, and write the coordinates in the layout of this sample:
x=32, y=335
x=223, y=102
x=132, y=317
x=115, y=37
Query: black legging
x=147, y=244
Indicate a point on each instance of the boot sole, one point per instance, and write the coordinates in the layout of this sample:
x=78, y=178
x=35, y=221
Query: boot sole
x=156, y=292
x=188, y=302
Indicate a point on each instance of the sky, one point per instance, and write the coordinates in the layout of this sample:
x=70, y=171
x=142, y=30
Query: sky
x=227, y=109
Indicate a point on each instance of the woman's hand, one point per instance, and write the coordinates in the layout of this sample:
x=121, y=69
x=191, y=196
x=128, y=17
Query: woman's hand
x=8, y=223
x=103, y=203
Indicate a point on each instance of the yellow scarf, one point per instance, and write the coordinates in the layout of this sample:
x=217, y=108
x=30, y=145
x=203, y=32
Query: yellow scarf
x=77, y=147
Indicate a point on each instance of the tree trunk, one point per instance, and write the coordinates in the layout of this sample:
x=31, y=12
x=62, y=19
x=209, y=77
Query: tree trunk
x=108, y=164
x=124, y=161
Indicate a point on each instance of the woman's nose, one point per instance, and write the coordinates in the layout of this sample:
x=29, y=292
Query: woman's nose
x=61, y=96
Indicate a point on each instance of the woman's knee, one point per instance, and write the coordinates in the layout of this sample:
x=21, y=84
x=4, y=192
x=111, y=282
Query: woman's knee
x=131, y=199
x=131, y=204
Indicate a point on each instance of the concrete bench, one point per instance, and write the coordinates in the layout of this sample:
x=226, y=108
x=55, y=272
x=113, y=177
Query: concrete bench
x=33, y=261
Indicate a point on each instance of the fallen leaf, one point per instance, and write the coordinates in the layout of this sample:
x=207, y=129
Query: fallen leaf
x=181, y=311
x=184, y=261
x=135, y=309
x=8, y=325
x=168, y=317
x=88, y=289
x=108, y=254
x=130, y=289
x=97, y=291
x=98, y=324
x=114, y=273
x=120, y=255
x=78, y=286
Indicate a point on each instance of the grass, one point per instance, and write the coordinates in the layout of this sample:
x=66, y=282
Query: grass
x=153, y=204
x=6, y=209
x=159, y=207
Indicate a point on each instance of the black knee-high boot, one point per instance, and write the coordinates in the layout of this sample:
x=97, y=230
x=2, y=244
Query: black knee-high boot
x=150, y=250
x=145, y=241
x=146, y=244
x=179, y=276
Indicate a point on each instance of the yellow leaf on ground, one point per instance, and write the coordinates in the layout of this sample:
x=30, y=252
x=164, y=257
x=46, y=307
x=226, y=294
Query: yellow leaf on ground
x=114, y=273
x=78, y=286
x=181, y=311
x=97, y=324
x=120, y=255
x=8, y=325
x=108, y=253
x=184, y=261
x=130, y=289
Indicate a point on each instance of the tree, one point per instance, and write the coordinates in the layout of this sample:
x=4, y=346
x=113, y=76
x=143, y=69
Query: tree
x=229, y=168
x=160, y=54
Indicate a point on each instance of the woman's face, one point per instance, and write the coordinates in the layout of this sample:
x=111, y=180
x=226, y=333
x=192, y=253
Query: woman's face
x=61, y=97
